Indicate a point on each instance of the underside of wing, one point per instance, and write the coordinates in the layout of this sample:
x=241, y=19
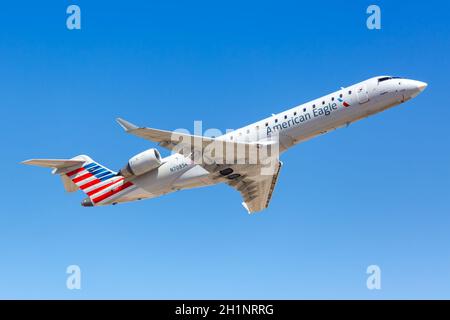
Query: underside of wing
x=252, y=181
x=257, y=193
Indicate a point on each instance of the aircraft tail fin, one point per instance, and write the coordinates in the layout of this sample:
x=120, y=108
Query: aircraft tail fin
x=81, y=172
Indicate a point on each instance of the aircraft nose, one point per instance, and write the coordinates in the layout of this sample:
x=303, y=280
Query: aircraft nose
x=421, y=85
x=414, y=88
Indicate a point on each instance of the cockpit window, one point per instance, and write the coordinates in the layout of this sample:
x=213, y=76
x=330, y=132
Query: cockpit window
x=384, y=79
x=387, y=78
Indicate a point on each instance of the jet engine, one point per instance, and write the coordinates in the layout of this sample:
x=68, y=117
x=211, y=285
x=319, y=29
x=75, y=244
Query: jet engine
x=142, y=163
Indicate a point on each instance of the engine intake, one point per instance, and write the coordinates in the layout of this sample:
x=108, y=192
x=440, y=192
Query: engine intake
x=142, y=163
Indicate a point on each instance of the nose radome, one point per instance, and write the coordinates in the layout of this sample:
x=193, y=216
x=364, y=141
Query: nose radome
x=413, y=87
x=421, y=85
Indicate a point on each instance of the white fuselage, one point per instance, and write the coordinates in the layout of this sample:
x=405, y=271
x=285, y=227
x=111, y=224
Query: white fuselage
x=292, y=126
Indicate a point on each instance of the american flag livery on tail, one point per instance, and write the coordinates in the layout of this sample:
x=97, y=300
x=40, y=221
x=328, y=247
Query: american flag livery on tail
x=99, y=183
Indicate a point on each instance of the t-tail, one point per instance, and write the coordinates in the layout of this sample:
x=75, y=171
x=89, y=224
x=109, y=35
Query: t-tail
x=99, y=183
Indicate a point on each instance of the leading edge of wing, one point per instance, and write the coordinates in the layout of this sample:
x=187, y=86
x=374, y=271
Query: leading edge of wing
x=158, y=135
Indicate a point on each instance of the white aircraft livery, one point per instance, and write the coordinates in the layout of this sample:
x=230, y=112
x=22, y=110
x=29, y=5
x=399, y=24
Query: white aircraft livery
x=247, y=159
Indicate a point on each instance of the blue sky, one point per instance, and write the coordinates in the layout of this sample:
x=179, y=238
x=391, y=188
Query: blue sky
x=374, y=193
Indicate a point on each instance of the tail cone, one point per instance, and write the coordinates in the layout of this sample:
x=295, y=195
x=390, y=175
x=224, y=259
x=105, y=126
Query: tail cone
x=87, y=203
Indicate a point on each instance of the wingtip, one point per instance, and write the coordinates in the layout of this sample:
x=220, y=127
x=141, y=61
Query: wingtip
x=246, y=207
x=26, y=161
x=127, y=126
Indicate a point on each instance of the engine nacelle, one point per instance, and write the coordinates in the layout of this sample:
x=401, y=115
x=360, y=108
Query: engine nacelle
x=142, y=163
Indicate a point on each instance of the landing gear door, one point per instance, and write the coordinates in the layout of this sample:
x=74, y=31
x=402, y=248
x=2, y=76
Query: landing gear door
x=363, y=94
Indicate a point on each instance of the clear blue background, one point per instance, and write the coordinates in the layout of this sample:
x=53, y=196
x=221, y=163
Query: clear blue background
x=375, y=193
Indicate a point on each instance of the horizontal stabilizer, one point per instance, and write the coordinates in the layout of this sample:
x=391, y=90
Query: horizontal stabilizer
x=54, y=163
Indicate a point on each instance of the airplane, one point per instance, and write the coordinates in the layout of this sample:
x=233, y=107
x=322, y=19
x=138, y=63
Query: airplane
x=149, y=175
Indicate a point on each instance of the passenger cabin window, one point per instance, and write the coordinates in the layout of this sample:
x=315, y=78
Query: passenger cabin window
x=314, y=105
x=340, y=96
x=332, y=98
x=295, y=113
x=267, y=124
x=285, y=117
x=276, y=120
x=323, y=102
x=350, y=92
x=304, y=109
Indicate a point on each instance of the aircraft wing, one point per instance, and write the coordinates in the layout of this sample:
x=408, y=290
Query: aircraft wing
x=166, y=139
x=254, y=184
x=255, y=188
x=186, y=143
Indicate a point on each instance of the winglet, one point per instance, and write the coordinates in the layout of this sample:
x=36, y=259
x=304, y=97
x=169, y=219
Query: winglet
x=127, y=126
x=246, y=207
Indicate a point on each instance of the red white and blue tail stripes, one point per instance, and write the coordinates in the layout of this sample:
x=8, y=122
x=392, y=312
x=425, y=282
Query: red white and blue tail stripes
x=98, y=182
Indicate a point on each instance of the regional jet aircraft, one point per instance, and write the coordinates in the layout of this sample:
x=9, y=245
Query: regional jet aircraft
x=191, y=164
